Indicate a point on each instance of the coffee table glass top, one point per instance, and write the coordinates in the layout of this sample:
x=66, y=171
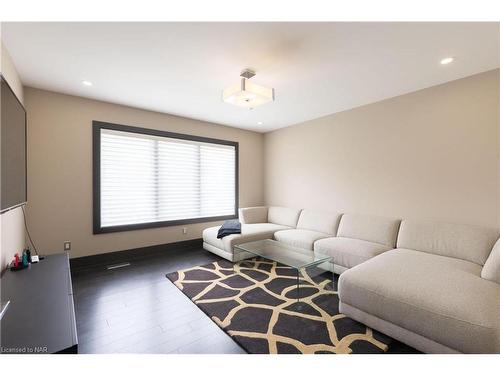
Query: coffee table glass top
x=284, y=254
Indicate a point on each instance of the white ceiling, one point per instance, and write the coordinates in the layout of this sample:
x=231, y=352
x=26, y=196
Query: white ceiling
x=181, y=68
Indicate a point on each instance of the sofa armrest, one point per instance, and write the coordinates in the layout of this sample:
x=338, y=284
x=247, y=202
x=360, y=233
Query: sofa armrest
x=491, y=269
x=253, y=215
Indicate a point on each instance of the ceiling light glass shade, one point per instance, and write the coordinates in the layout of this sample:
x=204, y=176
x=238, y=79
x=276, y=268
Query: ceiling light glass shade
x=247, y=94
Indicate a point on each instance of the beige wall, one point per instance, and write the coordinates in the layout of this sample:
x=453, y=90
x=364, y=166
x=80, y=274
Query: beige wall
x=429, y=154
x=60, y=171
x=11, y=223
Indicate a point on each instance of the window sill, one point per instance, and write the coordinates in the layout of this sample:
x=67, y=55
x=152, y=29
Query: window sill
x=160, y=224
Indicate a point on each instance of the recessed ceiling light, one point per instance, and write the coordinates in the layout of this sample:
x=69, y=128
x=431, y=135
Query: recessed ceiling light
x=86, y=83
x=259, y=123
x=447, y=60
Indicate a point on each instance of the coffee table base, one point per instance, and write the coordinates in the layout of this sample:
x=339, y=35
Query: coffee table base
x=334, y=287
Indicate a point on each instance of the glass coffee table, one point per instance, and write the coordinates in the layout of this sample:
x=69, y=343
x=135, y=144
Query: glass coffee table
x=286, y=255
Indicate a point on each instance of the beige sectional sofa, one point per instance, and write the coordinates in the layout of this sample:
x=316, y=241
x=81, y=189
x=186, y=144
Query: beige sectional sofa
x=434, y=286
x=433, y=291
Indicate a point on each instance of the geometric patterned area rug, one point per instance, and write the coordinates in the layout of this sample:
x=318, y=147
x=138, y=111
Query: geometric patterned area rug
x=255, y=302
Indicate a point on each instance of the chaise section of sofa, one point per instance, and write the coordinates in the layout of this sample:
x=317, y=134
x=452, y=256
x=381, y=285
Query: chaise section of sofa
x=311, y=227
x=359, y=238
x=257, y=223
x=429, y=292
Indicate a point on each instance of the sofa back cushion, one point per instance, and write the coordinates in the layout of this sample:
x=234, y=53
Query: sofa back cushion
x=467, y=242
x=491, y=269
x=318, y=221
x=382, y=230
x=253, y=215
x=283, y=216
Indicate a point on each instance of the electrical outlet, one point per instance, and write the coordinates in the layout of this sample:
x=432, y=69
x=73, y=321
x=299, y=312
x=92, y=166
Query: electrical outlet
x=184, y=230
x=67, y=245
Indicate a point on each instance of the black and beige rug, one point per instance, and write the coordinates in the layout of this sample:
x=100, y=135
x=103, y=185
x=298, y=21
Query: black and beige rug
x=255, y=303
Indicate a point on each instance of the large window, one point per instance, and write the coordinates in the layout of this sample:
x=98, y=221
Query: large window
x=149, y=178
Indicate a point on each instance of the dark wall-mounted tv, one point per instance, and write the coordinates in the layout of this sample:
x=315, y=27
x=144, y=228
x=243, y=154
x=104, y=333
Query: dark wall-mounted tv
x=13, y=149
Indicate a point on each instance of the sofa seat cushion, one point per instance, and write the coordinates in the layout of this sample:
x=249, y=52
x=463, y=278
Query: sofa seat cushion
x=249, y=232
x=440, y=298
x=348, y=252
x=299, y=238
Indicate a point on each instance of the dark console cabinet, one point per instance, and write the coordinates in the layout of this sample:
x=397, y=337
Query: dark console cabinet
x=41, y=315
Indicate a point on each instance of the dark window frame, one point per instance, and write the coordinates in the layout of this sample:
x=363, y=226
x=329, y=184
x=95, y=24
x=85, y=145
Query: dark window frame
x=96, y=172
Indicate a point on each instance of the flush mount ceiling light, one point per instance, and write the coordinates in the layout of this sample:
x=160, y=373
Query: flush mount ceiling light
x=86, y=83
x=447, y=60
x=247, y=94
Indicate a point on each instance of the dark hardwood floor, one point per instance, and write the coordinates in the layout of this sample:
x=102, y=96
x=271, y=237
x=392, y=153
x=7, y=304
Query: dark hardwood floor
x=136, y=309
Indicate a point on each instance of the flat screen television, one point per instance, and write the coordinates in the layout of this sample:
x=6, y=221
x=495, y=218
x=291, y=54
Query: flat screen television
x=12, y=149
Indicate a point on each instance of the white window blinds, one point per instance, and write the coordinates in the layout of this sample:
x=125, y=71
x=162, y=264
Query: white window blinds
x=151, y=179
